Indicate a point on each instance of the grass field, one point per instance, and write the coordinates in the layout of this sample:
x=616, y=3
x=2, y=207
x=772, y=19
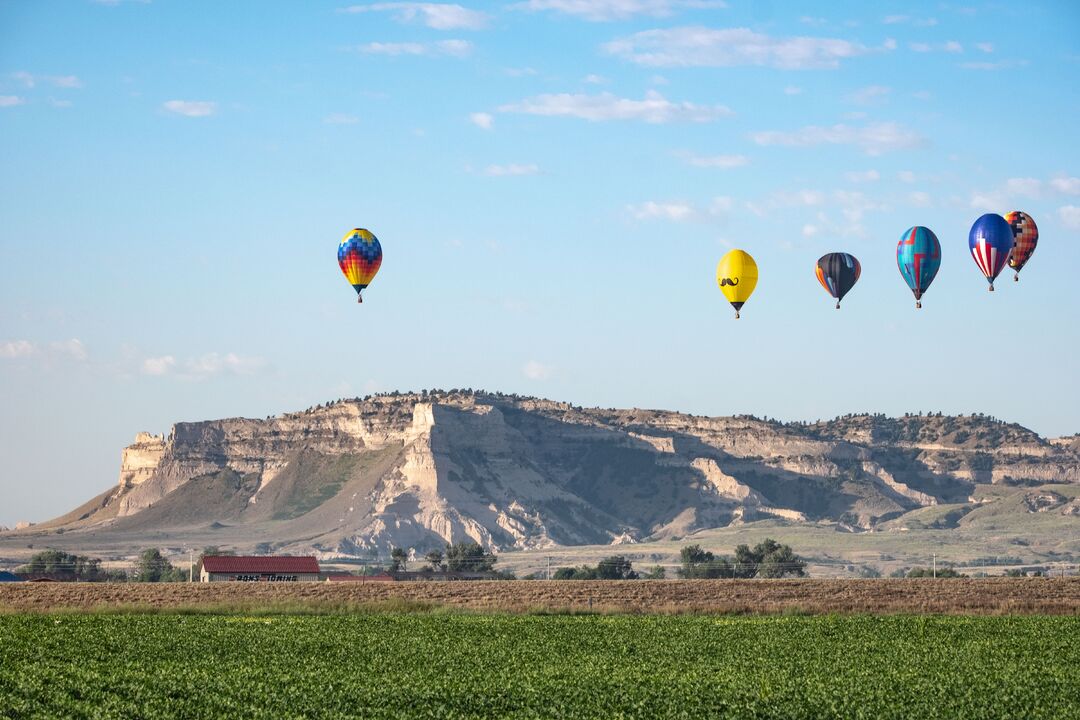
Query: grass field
x=381, y=665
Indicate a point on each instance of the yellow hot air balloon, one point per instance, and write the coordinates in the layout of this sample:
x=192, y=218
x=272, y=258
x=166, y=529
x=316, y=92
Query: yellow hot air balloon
x=736, y=274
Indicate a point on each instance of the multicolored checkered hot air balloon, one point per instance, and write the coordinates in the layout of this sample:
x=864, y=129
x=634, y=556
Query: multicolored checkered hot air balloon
x=991, y=241
x=918, y=255
x=1025, y=238
x=359, y=256
x=838, y=273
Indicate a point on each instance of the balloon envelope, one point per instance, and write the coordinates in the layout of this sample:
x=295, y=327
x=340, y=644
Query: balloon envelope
x=991, y=241
x=737, y=275
x=838, y=273
x=359, y=256
x=918, y=255
x=1025, y=238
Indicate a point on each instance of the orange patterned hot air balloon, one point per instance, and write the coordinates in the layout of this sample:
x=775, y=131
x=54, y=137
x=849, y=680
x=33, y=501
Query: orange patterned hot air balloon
x=359, y=256
x=1025, y=238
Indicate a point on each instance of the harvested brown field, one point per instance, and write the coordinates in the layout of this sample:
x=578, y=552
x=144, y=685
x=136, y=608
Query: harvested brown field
x=989, y=596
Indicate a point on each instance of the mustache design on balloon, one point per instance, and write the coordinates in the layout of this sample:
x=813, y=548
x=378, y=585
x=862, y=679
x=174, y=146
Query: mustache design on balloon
x=728, y=281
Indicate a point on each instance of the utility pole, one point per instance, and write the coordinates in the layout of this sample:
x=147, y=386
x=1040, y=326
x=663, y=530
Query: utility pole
x=191, y=565
x=935, y=564
x=548, y=567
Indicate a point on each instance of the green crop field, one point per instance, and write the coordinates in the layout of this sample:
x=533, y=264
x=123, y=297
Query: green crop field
x=377, y=665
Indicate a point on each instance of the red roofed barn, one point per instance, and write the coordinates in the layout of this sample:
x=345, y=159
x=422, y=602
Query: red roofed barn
x=250, y=568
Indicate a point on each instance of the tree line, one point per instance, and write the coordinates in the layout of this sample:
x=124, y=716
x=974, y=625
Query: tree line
x=767, y=559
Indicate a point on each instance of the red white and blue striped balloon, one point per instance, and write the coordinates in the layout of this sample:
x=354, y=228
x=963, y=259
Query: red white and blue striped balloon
x=991, y=241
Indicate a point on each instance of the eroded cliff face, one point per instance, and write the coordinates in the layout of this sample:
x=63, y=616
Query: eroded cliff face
x=423, y=470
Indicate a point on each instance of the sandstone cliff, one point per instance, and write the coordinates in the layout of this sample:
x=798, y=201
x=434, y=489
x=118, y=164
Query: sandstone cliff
x=420, y=470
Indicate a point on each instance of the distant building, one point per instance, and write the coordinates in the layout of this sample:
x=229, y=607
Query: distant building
x=261, y=568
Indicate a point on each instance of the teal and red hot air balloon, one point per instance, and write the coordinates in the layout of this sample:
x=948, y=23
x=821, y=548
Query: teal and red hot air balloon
x=838, y=272
x=1025, y=238
x=991, y=242
x=359, y=256
x=918, y=255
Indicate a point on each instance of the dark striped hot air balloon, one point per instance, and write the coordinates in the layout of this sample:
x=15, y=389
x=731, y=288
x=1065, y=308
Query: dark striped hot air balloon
x=838, y=272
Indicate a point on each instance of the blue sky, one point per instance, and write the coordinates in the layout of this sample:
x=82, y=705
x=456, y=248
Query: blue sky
x=553, y=182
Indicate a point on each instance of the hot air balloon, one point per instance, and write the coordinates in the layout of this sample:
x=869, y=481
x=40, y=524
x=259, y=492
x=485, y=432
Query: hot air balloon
x=359, y=256
x=1025, y=238
x=838, y=273
x=918, y=255
x=991, y=241
x=736, y=274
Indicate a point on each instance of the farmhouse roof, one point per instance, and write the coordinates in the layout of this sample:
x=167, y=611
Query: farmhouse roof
x=260, y=564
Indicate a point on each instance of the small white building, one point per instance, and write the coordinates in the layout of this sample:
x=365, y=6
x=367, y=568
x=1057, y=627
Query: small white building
x=258, y=568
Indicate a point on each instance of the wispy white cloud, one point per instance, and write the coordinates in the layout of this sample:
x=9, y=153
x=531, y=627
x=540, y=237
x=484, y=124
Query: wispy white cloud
x=906, y=176
x=851, y=205
x=607, y=10
x=863, y=176
x=806, y=198
x=999, y=65
x=1066, y=185
x=715, y=161
x=908, y=20
x=707, y=47
x=985, y=47
x=204, y=366
x=792, y=90
x=1006, y=194
x=61, y=81
x=439, y=16
x=482, y=120
x=920, y=199
x=869, y=94
x=11, y=100
x=1069, y=216
x=158, y=365
x=72, y=349
x=951, y=46
x=191, y=108
x=681, y=211
x=873, y=139
x=536, y=370
x=676, y=211
x=1024, y=187
x=340, y=119
x=594, y=79
x=511, y=170
x=654, y=108
x=12, y=349
x=447, y=48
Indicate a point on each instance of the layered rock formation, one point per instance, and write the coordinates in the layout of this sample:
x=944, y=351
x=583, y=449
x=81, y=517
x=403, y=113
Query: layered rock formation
x=420, y=470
